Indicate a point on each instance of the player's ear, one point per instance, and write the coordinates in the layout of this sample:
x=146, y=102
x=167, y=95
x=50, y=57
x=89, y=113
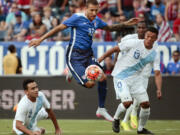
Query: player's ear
x=25, y=91
x=156, y=37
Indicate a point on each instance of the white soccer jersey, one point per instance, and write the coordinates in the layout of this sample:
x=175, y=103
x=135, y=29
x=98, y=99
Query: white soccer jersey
x=27, y=110
x=146, y=72
x=129, y=36
x=132, y=63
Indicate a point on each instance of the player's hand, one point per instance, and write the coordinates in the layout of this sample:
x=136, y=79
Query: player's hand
x=159, y=94
x=34, y=43
x=58, y=132
x=132, y=21
x=103, y=77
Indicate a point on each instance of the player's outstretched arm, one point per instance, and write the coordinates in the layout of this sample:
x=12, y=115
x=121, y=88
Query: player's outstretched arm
x=50, y=33
x=21, y=127
x=158, y=81
x=53, y=118
x=117, y=27
x=109, y=53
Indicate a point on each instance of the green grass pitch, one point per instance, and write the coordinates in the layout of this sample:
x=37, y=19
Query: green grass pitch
x=96, y=127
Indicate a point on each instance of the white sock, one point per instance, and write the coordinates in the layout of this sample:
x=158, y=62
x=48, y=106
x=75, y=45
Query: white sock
x=135, y=107
x=119, y=111
x=143, y=117
x=128, y=112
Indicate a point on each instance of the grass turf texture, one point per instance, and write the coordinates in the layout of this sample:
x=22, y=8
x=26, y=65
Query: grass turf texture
x=96, y=127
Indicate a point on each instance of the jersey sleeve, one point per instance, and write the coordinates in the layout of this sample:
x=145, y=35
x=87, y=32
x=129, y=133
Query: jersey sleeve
x=156, y=63
x=99, y=23
x=129, y=36
x=72, y=21
x=46, y=103
x=21, y=112
x=127, y=44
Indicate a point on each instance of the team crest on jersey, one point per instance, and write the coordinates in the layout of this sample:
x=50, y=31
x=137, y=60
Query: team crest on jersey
x=137, y=54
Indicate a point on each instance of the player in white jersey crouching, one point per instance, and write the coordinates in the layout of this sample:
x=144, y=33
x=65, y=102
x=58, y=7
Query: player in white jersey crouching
x=33, y=107
x=128, y=79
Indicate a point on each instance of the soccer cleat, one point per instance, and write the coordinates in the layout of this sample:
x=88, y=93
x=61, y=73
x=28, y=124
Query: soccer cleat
x=125, y=126
x=69, y=76
x=102, y=112
x=145, y=131
x=133, y=121
x=115, y=126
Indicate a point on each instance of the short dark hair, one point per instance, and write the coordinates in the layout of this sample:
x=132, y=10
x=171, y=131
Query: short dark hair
x=142, y=22
x=176, y=52
x=152, y=29
x=26, y=82
x=12, y=48
x=93, y=2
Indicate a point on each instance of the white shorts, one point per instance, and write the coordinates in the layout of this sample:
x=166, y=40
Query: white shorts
x=122, y=90
x=126, y=92
x=139, y=85
x=145, y=81
x=141, y=97
x=42, y=114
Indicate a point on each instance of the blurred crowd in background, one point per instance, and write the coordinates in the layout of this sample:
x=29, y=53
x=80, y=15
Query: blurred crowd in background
x=24, y=20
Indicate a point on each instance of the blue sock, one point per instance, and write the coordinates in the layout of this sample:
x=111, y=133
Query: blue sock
x=102, y=90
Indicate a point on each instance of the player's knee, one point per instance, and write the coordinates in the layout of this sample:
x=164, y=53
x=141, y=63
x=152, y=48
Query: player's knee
x=89, y=84
x=127, y=104
x=145, y=104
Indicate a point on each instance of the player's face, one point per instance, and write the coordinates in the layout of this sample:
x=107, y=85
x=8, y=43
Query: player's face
x=176, y=56
x=91, y=11
x=32, y=90
x=141, y=29
x=150, y=38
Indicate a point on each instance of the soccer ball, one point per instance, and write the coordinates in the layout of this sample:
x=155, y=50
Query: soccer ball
x=93, y=73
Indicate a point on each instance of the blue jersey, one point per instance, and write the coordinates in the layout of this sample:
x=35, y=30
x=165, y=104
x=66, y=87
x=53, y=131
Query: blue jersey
x=173, y=67
x=82, y=30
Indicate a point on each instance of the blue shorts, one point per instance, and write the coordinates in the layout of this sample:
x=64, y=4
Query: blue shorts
x=77, y=61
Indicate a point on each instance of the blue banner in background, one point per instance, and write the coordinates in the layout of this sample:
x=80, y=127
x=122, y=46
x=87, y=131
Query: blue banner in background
x=49, y=57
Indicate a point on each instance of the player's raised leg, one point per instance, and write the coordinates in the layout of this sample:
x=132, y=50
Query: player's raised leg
x=101, y=111
x=77, y=62
x=102, y=91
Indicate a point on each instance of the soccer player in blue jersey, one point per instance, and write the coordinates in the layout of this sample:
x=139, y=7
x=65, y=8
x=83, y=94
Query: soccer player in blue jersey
x=79, y=53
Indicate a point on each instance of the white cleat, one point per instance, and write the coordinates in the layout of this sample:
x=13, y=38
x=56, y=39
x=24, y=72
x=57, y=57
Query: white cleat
x=102, y=112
